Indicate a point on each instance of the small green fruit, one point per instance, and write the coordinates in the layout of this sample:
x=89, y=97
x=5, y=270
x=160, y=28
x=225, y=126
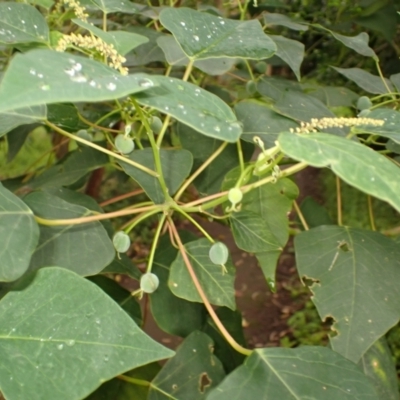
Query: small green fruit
x=156, y=124
x=84, y=134
x=124, y=144
x=363, y=103
x=235, y=196
x=121, y=242
x=218, y=253
x=261, y=67
x=149, y=282
x=251, y=87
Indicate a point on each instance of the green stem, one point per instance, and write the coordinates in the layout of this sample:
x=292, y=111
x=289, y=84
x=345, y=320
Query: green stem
x=339, y=202
x=214, y=316
x=200, y=170
x=140, y=218
x=103, y=150
x=250, y=70
x=240, y=155
x=378, y=67
x=155, y=242
x=195, y=223
x=188, y=70
x=164, y=128
x=301, y=216
x=371, y=213
x=135, y=381
x=104, y=22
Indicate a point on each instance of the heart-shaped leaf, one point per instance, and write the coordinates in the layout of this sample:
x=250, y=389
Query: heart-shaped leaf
x=56, y=328
x=19, y=235
x=202, y=35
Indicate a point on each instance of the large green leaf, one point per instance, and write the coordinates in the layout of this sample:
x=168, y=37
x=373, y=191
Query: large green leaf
x=122, y=264
x=164, y=304
x=370, y=83
x=65, y=116
x=22, y=23
x=16, y=139
x=290, y=51
x=311, y=373
x=71, y=168
x=275, y=88
x=46, y=76
x=175, y=163
x=389, y=129
x=193, y=106
x=14, y=118
x=335, y=96
x=19, y=235
x=175, y=56
x=191, y=373
x=355, y=274
x=202, y=147
x=355, y=163
x=122, y=41
x=85, y=249
x=202, y=35
x=217, y=285
x=61, y=336
x=260, y=120
x=378, y=364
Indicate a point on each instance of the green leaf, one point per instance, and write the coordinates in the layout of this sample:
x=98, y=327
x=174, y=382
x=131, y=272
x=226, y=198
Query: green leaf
x=85, y=249
x=311, y=373
x=358, y=43
x=71, y=168
x=164, y=304
x=61, y=337
x=46, y=76
x=175, y=56
x=122, y=41
x=395, y=79
x=22, y=116
x=191, y=373
x=65, y=116
x=120, y=295
x=314, y=214
x=19, y=235
x=232, y=320
x=290, y=51
x=202, y=147
x=377, y=363
x=46, y=4
x=275, y=88
x=16, y=139
x=122, y=264
x=282, y=20
x=389, y=129
x=260, y=120
x=193, y=106
x=202, y=35
x=335, y=96
x=217, y=286
x=22, y=23
x=111, y=6
x=355, y=273
x=175, y=163
x=355, y=163
x=370, y=83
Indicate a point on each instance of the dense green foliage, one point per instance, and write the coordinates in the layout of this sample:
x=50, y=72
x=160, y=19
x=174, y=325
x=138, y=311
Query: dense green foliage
x=186, y=106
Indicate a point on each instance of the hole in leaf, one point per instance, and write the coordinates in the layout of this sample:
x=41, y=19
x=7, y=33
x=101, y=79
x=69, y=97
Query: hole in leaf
x=309, y=282
x=343, y=245
x=328, y=324
x=204, y=382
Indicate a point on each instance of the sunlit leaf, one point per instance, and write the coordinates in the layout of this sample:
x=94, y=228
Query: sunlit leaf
x=355, y=163
x=202, y=35
x=61, y=336
x=355, y=273
x=46, y=76
x=19, y=235
x=111, y=6
x=311, y=373
x=13, y=118
x=193, y=106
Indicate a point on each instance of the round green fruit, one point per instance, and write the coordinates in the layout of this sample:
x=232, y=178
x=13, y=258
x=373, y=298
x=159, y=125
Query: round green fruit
x=156, y=124
x=251, y=87
x=124, y=144
x=218, y=253
x=149, y=282
x=235, y=195
x=121, y=242
x=363, y=103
